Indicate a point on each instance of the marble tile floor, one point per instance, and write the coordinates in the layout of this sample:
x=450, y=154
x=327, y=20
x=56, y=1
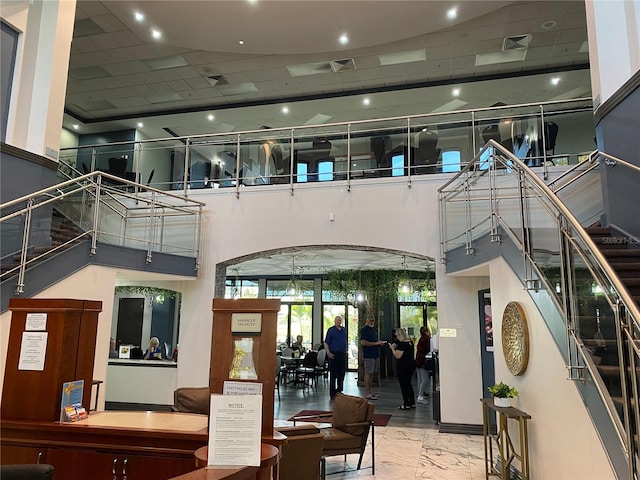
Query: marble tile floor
x=409, y=447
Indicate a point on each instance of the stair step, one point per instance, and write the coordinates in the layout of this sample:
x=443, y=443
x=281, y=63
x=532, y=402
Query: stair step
x=622, y=254
x=609, y=370
x=598, y=230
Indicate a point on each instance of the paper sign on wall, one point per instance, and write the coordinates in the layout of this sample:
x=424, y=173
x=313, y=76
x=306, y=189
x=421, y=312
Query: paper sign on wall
x=448, y=332
x=36, y=322
x=33, y=350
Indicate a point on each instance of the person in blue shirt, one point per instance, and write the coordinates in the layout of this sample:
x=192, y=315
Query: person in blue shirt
x=335, y=343
x=371, y=353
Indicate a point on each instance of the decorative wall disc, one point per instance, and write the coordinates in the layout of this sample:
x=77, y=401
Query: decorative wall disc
x=515, y=338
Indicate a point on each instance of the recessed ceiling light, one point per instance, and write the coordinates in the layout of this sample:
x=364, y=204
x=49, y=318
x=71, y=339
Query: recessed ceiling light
x=455, y=92
x=366, y=101
x=241, y=42
x=252, y=2
x=452, y=13
x=156, y=34
x=548, y=25
x=139, y=17
x=344, y=39
x=210, y=117
x=285, y=110
x=140, y=124
x=555, y=80
x=76, y=126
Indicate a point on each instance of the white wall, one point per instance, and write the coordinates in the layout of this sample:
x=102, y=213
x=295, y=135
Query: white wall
x=614, y=45
x=40, y=78
x=388, y=215
x=460, y=355
x=563, y=442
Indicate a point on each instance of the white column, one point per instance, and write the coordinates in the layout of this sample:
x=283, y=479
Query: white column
x=614, y=44
x=42, y=63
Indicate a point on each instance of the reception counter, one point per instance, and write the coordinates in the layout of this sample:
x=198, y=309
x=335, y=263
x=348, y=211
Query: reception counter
x=111, y=445
x=150, y=382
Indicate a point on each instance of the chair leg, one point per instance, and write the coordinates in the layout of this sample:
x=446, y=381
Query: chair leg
x=323, y=468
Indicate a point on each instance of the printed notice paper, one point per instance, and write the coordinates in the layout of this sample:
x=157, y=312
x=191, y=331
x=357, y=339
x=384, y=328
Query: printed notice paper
x=33, y=349
x=235, y=424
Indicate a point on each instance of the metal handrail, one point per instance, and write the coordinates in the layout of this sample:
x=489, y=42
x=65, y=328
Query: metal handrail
x=562, y=209
x=162, y=204
x=626, y=313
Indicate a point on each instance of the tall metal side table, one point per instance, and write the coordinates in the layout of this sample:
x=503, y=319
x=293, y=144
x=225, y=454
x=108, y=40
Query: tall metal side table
x=503, y=442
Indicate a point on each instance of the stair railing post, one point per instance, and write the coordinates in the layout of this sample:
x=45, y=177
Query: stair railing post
x=96, y=215
x=409, y=152
x=621, y=328
x=198, y=235
x=469, y=250
x=25, y=247
x=633, y=405
x=545, y=171
x=493, y=197
x=292, y=162
x=152, y=223
x=348, y=157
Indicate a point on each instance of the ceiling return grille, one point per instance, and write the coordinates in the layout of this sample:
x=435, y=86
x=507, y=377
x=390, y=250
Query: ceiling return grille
x=517, y=42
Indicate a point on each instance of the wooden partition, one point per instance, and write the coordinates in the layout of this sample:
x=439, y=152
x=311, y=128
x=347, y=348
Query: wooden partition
x=66, y=329
x=235, y=320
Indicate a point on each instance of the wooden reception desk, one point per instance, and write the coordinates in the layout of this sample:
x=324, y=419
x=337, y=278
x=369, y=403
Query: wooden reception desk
x=108, y=444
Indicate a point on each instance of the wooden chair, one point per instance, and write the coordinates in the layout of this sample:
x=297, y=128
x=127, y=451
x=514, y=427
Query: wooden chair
x=351, y=421
x=302, y=454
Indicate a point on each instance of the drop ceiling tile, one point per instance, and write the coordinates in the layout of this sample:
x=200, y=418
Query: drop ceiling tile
x=195, y=83
x=92, y=8
x=91, y=59
x=489, y=46
x=565, y=49
x=573, y=35
x=574, y=20
x=109, y=23
x=180, y=85
x=463, y=62
x=83, y=45
x=126, y=68
x=544, y=39
x=488, y=32
x=130, y=102
x=438, y=53
x=201, y=93
x=440, y=39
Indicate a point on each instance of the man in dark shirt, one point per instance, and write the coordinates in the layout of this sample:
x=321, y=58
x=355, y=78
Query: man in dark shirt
x=371, y=353
x=335, y=343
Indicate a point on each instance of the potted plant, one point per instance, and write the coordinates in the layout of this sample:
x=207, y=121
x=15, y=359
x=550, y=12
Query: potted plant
x=502, y=394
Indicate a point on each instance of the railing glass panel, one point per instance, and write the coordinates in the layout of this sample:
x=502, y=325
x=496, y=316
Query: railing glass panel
x=390, y=147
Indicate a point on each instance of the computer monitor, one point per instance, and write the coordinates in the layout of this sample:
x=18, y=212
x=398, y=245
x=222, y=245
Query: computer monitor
x=397, y=165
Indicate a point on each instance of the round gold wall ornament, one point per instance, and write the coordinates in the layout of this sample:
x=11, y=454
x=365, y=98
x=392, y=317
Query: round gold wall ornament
x=515, y=338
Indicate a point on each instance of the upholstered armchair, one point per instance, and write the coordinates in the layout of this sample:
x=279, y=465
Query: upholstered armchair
x=351, y=421
x=302, y=454
x=26, y=472
x=191, y=400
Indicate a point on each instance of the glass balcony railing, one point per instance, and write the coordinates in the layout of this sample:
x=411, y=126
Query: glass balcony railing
x=542, y=135
x=99, y=207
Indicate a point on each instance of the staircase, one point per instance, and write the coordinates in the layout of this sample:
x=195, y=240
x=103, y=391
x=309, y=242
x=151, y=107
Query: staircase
x=623, y=257
x=598, y=332
x=61, y=231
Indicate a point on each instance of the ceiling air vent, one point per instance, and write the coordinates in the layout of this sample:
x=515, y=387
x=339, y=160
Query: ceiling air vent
x=517, y=42
x=217, y=80
x=343, y=65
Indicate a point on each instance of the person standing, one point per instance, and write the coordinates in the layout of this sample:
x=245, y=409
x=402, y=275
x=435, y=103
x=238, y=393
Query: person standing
x=335, y=344
x=371, y=353
x=402, y=350
x=424, y=347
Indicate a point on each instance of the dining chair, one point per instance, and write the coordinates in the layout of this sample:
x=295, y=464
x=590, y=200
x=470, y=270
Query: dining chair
x=306, y=372
x=351, y=421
